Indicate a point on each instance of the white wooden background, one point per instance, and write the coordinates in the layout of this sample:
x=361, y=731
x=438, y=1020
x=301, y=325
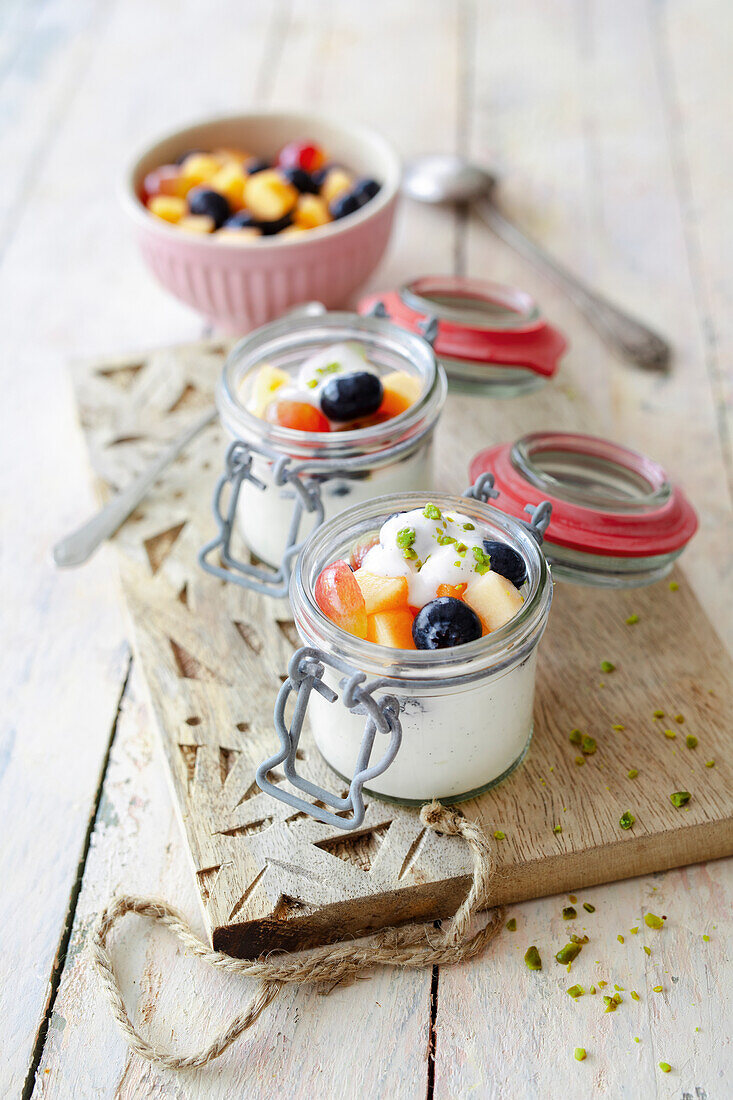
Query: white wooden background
x=610, y=123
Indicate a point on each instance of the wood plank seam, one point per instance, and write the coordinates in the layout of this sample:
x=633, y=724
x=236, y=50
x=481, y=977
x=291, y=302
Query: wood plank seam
x=59, y=963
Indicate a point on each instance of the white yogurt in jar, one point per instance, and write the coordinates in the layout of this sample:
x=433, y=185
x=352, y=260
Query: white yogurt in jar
x=466, y=710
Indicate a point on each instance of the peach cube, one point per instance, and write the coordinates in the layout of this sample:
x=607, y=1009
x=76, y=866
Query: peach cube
x=391, y=628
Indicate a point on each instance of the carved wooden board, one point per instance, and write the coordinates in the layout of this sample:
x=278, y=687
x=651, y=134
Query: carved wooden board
x=213, y=657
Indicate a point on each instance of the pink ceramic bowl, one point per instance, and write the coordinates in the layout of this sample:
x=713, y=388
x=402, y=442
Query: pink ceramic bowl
x=239, y=286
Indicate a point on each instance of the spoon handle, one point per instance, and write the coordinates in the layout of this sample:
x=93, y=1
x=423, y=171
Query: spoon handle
x=79, y=546
x=634, y=340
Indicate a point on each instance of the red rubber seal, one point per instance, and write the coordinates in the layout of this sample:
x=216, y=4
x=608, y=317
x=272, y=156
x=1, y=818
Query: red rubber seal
x=659, y=520
x=525, y=340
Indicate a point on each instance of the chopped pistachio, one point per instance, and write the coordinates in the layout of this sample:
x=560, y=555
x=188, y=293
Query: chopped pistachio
x=671, y=734
x=709, y=763
x=580, y=1054
x=579, y=939
x=626, y=820
x=647, y=949
x=679, y=718
x=405, y=537
x=607, y=666
x=617, y=999
x=620, y=988
x=679, y=798
x=469, y=527
x=410, y=554
x=651, y=920
x=610, y=1004
x=665, y=1066
x=637, y=1039
x=588, y=746
x=312, y=383
x=635, y=996
x=603, y=984
x=618, y=727
x=580, y=760
x=632, y=619
x=706, y=938
x=499, y=835
x=659, y=714
x=575, y=737
x=532, y=958
x=592, y=990
x=620, y=938
x=657, y=988
x=511, y=924
x=432, y=511
x=691, y=741
x=445, y=540
x=557, y=828
x=569, y=913
x=588, y=907
x=576, y=991
x=483, y=560
x=572, y=898
x=634, y=930
x=673, y=586
x=568, y=953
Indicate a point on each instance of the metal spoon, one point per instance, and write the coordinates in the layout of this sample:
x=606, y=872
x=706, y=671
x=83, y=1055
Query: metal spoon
x=452, y=179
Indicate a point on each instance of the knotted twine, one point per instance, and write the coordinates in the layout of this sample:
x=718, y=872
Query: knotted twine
x=412, y=946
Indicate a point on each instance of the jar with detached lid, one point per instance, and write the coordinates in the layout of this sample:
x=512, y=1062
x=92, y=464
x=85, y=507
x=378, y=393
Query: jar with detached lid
x=421, y=616
x=323, y=412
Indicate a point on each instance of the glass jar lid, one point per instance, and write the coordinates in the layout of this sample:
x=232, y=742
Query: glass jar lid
x=489, y=337
x=617, y=520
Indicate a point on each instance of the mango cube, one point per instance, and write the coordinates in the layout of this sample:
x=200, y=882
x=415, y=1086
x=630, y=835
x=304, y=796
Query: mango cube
x=200, y=168
x=229, y=181
x=311, y=211
x=494, y=599
x=197, y=223
x=336, y=182
x=268, y=196
x=381, y=593
x=170, y=208
x=391, y=628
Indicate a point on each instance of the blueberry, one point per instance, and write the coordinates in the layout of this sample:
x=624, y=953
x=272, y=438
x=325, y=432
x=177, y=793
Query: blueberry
x=506, y=562
x=301, y=180
x=365, y=189
x=349, y=396
x=346, y=203
x=319, y=176
x=445, y=622
x=269, y=229
x=241, y=220
x=202, y=200
x=255, y=165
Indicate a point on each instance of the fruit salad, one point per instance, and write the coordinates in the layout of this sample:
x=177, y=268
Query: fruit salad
x=336, y=389
x=238, y=196
x=430, y=580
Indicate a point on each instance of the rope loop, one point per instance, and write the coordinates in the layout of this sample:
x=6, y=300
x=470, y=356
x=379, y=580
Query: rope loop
x=413, y=946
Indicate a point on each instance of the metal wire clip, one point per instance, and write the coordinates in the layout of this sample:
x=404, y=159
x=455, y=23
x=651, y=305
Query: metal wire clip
x=305, y=674
x=238, y=468
x=483, y=490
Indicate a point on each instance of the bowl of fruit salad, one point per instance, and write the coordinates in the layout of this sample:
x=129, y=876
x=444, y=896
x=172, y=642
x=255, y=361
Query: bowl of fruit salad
x=242, y=217
x=424, y=612
x=323, y=411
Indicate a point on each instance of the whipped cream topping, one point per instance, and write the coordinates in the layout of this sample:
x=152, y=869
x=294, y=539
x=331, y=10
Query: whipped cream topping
x=429, y=548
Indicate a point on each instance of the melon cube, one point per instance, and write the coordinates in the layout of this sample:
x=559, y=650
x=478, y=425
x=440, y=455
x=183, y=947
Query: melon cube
x=400, y=391
x=310, y=212
x=268, y=381
x=336, y=182
x=391, y=628
x=268, y=196
x=199, y=168
x=229, y=181
x=197, y=223
x=381, y=593
x=494, y=599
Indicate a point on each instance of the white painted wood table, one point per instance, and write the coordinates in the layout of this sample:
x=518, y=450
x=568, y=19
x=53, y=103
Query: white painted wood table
x=609, y=122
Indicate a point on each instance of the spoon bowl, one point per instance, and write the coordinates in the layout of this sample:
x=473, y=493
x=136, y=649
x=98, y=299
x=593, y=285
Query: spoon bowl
x=446, y=178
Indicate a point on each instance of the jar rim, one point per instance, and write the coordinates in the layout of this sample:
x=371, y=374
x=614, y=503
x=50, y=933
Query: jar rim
x=454, y=666
x=520, y=309
x=278, y=335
